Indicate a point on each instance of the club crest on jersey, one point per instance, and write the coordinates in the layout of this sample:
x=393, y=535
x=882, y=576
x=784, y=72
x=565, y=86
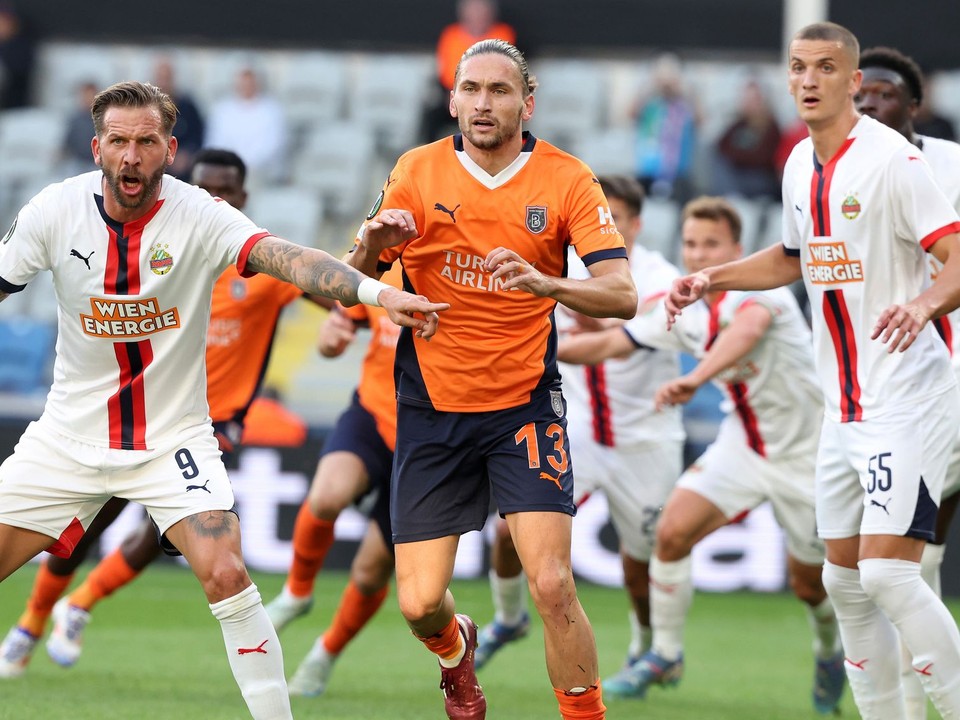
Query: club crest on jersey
x=556, y=402
x=6, y=238
x=850, y=208
x=161, y=262
x=536, y=219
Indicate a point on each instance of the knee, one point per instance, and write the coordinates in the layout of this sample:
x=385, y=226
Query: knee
x=417, y=606
x=673, y=540
x=807, y=587
x=552, y=589
x=224, y=578
x=327, y=506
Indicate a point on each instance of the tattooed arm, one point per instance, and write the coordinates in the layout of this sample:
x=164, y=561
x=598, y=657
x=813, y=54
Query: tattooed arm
x=319, y=273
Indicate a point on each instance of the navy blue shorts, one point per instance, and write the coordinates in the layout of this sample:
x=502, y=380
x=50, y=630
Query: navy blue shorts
x=356, y=432
x=447, y=463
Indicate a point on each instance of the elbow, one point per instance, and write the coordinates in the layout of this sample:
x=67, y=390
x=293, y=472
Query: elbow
x=628, y=303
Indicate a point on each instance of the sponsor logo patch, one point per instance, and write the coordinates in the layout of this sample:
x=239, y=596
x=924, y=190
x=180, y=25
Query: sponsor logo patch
x=127, y=319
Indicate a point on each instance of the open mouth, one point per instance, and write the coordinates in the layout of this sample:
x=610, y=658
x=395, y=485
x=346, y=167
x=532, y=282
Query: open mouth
x=130, y=184
x=483, y=123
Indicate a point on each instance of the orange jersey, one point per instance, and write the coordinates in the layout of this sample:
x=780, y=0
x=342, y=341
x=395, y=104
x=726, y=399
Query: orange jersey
x=454, y=42
x=494, y=348
x=377, y=391
x=243, y=319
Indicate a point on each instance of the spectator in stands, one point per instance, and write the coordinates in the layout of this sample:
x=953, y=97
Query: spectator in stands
x=744, y=158
x=77, y=157
x=189, y=121
x=476, y=21
x=666, y=133
x=927, y=121
x=16, y=59
x=252, y=124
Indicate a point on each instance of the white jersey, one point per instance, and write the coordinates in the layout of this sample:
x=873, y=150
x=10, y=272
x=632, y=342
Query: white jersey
x=944, y=159
x=134, y=304
x=772, y=392
x=613, y=402
x=860, y=225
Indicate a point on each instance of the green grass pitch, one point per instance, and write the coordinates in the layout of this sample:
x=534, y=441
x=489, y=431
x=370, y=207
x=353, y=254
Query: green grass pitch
x=155, y=651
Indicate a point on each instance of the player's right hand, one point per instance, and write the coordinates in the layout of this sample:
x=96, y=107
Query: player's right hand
x=412, y=311
x=390, y=227
x=336, y=334
x=685, y=291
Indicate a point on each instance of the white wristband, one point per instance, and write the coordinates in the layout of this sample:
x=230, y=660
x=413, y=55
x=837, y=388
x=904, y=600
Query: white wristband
x=369, y=290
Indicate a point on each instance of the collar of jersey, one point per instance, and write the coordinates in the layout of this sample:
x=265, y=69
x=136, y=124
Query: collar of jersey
x=494, y=181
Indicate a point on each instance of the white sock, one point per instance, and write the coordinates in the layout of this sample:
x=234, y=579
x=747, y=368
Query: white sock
x=870, y=644
x=926, y=626
x=913, y=695
x=930, y=563
x=640, y=636
x=826, y=632
x=509, y=598
x=671, y=594
x=253, y=650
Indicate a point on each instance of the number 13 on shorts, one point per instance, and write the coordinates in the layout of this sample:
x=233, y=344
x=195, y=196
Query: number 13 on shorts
x=546, y=450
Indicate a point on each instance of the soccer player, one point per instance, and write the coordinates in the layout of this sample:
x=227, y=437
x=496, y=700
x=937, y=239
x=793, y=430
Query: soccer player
x=891, y=92
x=356, y=462
x=623, y=446
x=755, y=347
x=860, y=208
x=485, y=216
x=244, y=314
x=135, y=254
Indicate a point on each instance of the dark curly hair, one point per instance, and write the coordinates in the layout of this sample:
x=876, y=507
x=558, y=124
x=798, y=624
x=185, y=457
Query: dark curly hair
x=892, y=59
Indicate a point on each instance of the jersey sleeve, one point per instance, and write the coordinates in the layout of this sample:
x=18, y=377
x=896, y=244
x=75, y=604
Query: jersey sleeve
x=789, y=230
x=398, y=192
x=921, y=211
x=229, y=235
x=743, y=300
x=589, y=222
x=24, y=247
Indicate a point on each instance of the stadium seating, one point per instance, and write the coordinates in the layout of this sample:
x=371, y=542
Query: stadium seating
x=570, y=101
x=608, y=152
x=661, y=224
x=293, y=213
x=25, y=355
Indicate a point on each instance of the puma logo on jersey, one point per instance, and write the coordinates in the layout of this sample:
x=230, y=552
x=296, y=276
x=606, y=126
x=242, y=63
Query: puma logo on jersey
x=257, y=649
x=551, y=478
x=882, y=506
x=442, y=209
x=200, y=487
x=86, y=260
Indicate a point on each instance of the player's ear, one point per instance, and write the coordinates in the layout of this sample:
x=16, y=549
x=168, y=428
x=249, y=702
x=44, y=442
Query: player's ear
x=171, y=149
x=453, y=107
x=527, y=108
x=95, y=149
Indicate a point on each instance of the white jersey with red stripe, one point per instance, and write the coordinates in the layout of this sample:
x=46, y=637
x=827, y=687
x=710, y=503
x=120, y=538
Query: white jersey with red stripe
x=860, y=225
x=944, y=159
x=134, y=305
x=613, y=402
x=772, y=392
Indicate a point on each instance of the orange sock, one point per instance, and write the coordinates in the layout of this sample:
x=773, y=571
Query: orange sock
x=582, y=706
x=110, y=574
x=312, y=538
x=47, y=589
x=447, y=643
x=354, y=611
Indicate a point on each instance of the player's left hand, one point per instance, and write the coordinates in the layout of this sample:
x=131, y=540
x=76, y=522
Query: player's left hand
x=899, y=325
x=515, y=272
x=412, y=311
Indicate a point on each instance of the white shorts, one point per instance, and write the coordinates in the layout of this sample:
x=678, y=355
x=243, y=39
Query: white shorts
x=885, y=476
x=735, y=479
x=55, y=485
x=951, y=483
x=636, y=482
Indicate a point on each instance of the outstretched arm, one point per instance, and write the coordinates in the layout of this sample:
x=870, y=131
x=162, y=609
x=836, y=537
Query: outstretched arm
x=734, y=343
x=319, y=273
x=592, y=348
x=769, y=268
